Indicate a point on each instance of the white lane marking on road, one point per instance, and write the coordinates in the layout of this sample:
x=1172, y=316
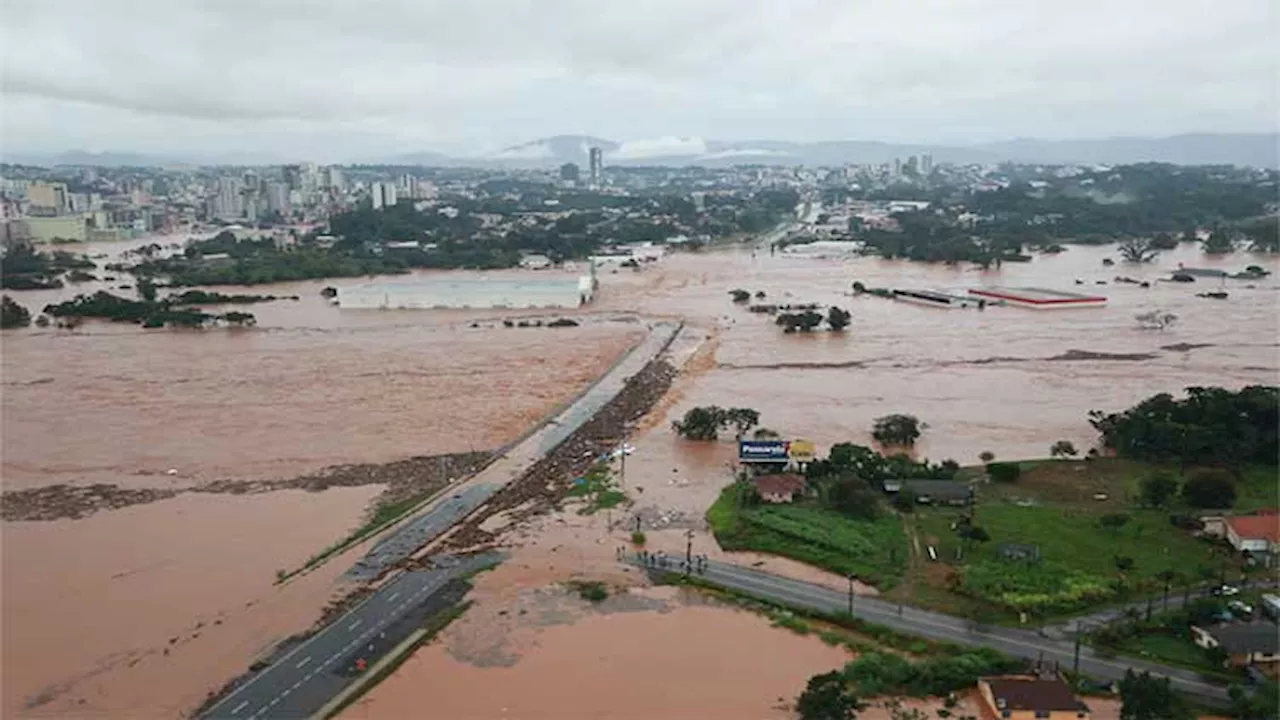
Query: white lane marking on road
x=355, y=624
x=295, y=651
x=394, y=596
x=239, y=707
x=305, y=660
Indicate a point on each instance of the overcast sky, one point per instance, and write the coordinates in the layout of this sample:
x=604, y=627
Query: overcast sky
x=342, y=79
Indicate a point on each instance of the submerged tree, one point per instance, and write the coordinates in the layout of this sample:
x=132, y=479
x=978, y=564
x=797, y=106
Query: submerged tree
x=1137, y=250
x=838, y=318
x=1062, y=448
x=13, y=315
x=705, y=423
x=897, y=430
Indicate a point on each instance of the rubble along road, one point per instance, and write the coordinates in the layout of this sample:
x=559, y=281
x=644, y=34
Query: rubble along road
x=306, y=678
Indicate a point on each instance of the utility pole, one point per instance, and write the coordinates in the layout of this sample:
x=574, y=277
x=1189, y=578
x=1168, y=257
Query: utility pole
x=1075, y=664
x=688, y=551
x=852, y=577
x=622, y=480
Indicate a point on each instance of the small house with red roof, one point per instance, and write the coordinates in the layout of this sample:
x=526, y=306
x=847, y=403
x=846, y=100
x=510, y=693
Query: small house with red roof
x=1258, y=535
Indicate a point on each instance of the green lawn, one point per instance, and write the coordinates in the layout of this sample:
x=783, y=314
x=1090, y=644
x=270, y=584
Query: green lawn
x=1258, y=488
x=1170, y=649
x=1077, y=566
x=1055, y=505
x=874, y=550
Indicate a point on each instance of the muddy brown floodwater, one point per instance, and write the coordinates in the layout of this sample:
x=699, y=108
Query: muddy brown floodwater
x=139, y=612
x=1005, y=379
x=90, y=606
x=635, y=656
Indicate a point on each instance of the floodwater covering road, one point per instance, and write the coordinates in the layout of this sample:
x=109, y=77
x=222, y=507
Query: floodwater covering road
x=311, y=687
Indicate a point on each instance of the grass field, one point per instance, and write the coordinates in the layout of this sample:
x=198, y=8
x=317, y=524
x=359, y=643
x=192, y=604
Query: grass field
x=1170, y=649
x=1054, y=505
x=876, y=550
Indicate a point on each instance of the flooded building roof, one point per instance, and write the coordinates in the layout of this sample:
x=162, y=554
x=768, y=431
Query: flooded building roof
x=469, y=293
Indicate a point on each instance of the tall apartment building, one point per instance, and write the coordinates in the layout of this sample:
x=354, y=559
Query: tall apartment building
x=278, y=199
x=382, y=194
x=229, y=202
x=595, y=158
x=336, y=181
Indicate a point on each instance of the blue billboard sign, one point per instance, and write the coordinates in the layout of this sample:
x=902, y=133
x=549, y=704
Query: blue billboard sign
x=763, y=451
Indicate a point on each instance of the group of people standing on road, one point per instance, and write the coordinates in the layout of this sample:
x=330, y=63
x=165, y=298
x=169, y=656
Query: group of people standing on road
x=696, y=563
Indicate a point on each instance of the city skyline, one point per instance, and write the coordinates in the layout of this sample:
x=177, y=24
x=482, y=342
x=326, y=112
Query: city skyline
x=347, y=81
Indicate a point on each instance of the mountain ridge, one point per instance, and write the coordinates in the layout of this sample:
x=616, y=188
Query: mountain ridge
x=1250, y=149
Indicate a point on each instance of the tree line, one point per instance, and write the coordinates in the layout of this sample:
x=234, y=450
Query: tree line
x=1211, y=426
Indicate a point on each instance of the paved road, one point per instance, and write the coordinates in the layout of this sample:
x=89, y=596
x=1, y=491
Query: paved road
x=301, y=681
x=421, y=530
x=466, y=497
x=1019, y=643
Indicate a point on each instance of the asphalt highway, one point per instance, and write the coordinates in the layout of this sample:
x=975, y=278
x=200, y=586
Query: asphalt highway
x=407, y=539
x=302, y=680
x=1019, y=643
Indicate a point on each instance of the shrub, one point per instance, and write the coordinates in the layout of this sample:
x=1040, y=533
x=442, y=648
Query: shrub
x=1062, y=448
x=1004, y=472
x=592, y=591
x=1212, y=488
x=638, y=538
x=740, y=295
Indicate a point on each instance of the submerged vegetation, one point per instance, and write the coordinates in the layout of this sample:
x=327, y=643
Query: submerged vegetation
x=150, y=313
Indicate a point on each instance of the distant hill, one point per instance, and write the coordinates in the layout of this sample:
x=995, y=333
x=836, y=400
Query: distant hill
x=1257, y=150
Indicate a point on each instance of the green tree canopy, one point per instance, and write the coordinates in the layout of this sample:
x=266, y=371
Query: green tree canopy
x=1146, y=697
x=896, y=430
x=827, y=697
x=1211, y=426
x=1210, y=488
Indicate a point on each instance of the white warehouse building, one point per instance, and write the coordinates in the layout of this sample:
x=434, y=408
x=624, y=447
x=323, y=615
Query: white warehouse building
x=562, y=293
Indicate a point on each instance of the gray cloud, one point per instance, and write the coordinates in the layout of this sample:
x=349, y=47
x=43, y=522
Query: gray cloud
x=346, y=77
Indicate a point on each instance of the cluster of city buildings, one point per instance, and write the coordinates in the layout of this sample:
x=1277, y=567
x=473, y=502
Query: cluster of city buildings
x=81, y=204
x=571, y=175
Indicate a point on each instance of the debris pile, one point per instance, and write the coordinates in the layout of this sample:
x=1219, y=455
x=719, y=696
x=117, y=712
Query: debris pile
x=55, y=502
x=548, y=481
x=404, y=479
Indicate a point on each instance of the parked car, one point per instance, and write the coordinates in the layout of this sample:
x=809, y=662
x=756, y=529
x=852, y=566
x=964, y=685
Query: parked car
x=1226, y=591
x=1241, y=609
